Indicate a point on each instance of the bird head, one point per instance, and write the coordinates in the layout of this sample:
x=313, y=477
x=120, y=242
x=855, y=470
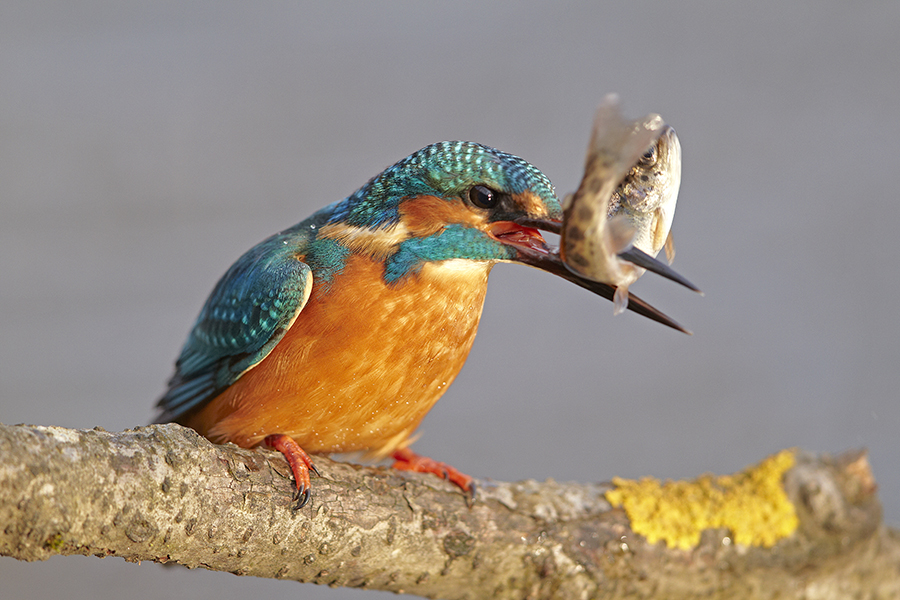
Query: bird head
x=459, y=201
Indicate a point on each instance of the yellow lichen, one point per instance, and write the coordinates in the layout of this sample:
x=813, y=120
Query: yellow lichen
x=752, y=504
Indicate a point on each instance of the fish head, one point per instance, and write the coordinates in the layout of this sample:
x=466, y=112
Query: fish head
x=647, y=196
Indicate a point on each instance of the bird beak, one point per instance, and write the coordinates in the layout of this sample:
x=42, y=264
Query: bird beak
x=524, y=236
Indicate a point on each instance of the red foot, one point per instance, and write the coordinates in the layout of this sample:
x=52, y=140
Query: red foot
x=407, y=460
x=299, y=461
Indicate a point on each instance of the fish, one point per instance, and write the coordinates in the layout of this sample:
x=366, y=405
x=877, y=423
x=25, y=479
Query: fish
x=625, y=201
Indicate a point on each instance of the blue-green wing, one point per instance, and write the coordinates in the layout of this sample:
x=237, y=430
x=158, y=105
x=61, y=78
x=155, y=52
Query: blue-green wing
x=247, y=314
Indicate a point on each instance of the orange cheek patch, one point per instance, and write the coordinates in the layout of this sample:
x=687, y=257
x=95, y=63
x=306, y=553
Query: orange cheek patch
x=531, y=204
x=427, y=215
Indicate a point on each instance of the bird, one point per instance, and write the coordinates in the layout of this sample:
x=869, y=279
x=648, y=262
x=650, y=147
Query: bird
x=338, y=335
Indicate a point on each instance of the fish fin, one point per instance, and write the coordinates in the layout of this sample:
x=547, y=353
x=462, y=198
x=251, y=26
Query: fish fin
x=670, y=248
x=620, y=299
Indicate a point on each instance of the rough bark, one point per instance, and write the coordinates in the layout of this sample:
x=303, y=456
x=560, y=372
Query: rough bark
x=164, y=493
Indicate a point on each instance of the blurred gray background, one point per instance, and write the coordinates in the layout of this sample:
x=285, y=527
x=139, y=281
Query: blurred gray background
x=145, y=146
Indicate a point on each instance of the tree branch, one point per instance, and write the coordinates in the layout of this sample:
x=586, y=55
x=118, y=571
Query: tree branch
x=164, y=493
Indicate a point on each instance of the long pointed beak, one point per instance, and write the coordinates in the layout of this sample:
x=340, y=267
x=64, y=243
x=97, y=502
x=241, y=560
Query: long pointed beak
x=638, y=257
x=532, y=250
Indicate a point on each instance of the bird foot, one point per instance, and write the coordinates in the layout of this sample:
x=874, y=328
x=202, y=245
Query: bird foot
x=407, y=460
x=299, y=461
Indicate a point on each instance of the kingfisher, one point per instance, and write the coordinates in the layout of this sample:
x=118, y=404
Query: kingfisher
x=340, y=333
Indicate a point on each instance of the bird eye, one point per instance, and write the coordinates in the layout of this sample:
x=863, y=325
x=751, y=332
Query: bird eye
x=649, y=157
x=482, y=197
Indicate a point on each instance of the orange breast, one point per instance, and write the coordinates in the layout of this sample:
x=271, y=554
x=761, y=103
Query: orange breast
x=362, y=364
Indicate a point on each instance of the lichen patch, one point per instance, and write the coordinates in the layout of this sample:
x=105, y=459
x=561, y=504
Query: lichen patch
x=752, y=504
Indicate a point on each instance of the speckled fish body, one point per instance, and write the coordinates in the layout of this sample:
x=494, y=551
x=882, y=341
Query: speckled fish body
x=626, y=198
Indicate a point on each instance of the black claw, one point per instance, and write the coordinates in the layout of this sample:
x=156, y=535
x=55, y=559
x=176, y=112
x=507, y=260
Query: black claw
x=471, y=494
x=313, y=468
x=301, y=497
